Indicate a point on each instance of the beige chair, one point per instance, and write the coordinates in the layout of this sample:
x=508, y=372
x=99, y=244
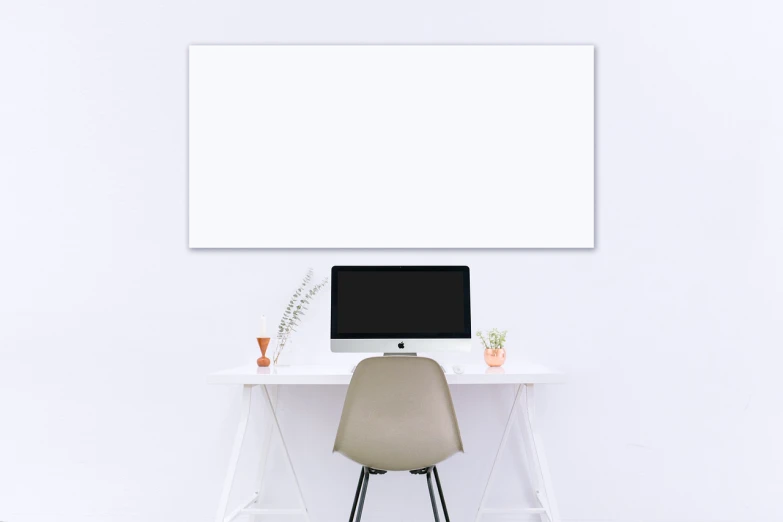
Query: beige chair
x=398, y=416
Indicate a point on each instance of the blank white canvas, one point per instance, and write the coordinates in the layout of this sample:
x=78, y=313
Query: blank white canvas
x=391, y=146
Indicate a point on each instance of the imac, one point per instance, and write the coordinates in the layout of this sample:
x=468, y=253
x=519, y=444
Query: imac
x=400, y=309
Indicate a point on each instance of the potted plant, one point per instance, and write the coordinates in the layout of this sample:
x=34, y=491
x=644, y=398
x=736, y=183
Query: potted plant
x=494, y=346
x=294, y=312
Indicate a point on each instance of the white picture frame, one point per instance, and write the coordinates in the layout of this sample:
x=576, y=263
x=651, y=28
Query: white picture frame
x=391, y=146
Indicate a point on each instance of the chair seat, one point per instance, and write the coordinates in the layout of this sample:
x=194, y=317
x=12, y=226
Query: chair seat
x=398, y=415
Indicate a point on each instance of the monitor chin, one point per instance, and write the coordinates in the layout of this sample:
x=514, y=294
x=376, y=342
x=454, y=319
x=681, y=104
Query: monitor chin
x=401, y=346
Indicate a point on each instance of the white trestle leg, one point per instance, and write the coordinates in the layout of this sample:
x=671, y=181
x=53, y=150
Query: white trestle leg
x=537, y=465
x=272, y=426
x=266, y=443
x=235, y=451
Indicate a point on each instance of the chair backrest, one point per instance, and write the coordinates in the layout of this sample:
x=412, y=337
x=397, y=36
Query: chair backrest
x=398, y=415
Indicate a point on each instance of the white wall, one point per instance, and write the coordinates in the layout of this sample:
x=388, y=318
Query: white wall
x=669, y=328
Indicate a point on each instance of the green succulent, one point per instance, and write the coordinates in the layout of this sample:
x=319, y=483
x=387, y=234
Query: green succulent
x=494, y=339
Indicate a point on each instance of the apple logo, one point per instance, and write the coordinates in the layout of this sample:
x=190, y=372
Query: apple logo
x=400, y=345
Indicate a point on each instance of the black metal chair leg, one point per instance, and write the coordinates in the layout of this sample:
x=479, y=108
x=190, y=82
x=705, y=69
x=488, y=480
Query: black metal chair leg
x=432, y=495
x=440, y=492
x=361, y=497
x=356, y=497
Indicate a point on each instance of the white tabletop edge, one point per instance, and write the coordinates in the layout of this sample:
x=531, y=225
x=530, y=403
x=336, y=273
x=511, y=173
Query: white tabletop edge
x=250, y=374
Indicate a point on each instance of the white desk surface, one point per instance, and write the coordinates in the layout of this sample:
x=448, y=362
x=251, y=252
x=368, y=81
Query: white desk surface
x=510, y=373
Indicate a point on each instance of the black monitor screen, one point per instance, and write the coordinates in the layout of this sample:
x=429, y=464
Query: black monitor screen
x=407, y=302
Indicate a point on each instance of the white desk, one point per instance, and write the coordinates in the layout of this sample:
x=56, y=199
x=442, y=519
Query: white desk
x=524, y=375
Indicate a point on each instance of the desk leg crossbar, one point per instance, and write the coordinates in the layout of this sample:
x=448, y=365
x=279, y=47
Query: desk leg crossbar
x=537, y=463
x=244, y=507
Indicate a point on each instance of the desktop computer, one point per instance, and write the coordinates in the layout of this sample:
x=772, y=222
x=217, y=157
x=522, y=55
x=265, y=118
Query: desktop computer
x=400, y=309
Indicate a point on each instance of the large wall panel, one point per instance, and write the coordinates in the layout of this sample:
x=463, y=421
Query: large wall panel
x=391, y=146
